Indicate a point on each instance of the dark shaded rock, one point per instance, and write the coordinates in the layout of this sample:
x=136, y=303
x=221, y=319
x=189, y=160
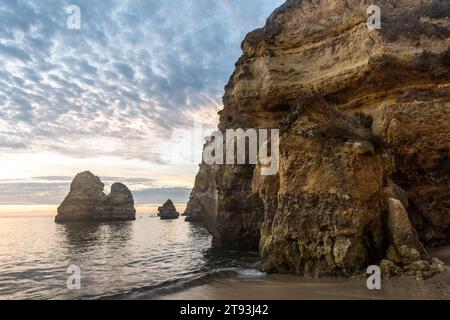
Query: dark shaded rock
x=86, y=201
x=202, y=205
x=168, y=211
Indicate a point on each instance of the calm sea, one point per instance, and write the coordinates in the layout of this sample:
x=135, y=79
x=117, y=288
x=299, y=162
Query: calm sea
x=122, y=260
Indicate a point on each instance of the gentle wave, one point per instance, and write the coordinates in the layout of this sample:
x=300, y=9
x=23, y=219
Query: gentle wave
x=174, y=286
x=144, y=259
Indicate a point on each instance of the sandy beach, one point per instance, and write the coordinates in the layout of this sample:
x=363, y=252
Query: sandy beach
x=288, y=287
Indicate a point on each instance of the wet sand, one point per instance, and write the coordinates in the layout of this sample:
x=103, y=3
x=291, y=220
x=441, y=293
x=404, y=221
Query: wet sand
x=288, y=287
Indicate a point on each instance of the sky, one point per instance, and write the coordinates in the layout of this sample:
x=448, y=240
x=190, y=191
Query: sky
x=116, y=96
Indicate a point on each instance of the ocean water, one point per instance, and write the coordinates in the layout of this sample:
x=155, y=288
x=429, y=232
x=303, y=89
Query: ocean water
x=118, y=260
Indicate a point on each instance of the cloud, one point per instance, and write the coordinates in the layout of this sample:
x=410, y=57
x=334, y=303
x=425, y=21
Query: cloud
x=5, y=144
x=136, y=71
x=14, y=53
x=160, y=195
x=125, y=70
x=47, y=190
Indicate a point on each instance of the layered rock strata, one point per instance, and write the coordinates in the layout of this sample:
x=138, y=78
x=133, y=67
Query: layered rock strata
x=364, y=172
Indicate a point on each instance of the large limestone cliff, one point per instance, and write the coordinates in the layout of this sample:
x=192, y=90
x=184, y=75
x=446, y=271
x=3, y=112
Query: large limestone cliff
x=86, y=201
x=364, y=116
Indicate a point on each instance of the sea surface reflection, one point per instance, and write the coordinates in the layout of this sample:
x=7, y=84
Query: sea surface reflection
x=118, y=260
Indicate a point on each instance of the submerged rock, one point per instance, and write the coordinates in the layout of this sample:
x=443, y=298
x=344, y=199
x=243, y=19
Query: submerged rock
x=86, y=201
x=168, y=211
x=364, y=141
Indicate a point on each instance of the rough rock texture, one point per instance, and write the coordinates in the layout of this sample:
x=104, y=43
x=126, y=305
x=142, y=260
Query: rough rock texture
x=202, y=205
x=228, y=207
x=168, y=211
x=364, y=145
x=405, y=254
x=86, y=201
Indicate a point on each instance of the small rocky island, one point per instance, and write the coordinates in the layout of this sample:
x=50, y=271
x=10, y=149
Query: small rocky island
x=86, y=201
x=168, y=211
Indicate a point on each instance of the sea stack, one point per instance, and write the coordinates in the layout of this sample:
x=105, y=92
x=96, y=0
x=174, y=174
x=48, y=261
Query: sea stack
x=86, y=201
x=364, y=146
x=168, y=211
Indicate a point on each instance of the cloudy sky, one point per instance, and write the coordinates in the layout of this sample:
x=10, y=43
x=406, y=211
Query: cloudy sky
x=109, y=96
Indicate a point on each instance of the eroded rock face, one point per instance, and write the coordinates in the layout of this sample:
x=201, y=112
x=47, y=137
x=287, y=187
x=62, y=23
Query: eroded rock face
x=168, y=211
x=202, y=205
x=364, y=145
x=405, y=254
x=86, y=201
x=224, y=202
